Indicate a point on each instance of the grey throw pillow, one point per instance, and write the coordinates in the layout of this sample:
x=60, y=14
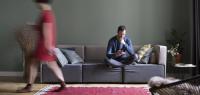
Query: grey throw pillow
x=62, y=60
x=72, y=56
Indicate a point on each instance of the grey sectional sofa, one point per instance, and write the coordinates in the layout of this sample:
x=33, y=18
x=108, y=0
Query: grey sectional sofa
x=94, y=70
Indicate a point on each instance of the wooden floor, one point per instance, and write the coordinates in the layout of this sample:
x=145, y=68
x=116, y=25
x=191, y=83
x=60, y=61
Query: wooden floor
x=9, y=85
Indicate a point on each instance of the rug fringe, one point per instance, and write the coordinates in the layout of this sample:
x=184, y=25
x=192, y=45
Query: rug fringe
x=100, y=85
x=44, y=90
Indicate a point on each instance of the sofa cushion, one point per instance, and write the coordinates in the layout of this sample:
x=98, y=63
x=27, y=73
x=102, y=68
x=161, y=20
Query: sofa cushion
x=146, y=58
x=62, y=60
x=71, y=73
x=78, y=48
x=95, y=53
x=101, y=73
x=141, y=73
x=152, y=59
x=72, y=56
x=144, y=53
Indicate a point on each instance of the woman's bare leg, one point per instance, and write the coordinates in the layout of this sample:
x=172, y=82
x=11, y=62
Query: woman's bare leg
x=58, y=73
x=32, y=74
x=33, y=70
x=56, y=70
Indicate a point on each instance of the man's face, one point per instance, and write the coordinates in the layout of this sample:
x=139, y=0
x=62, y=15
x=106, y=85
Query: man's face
x=121, y=34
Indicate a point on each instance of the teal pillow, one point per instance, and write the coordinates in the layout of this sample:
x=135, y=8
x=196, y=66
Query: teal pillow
x=72, y=56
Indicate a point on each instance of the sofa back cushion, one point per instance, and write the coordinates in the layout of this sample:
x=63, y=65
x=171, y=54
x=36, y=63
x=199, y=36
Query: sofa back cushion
x=95, y=53
x=79, y=49
x=72, y=56
x=154, y=54
x=144, y=53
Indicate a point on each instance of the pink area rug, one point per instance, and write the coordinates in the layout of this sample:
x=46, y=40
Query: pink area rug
x=95, y=91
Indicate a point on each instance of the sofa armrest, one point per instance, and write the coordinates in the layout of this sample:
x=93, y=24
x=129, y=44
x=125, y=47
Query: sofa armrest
x=161, y=53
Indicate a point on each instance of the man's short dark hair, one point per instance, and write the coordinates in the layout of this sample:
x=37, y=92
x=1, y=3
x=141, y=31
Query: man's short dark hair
x=44, y=1
x=121, y=28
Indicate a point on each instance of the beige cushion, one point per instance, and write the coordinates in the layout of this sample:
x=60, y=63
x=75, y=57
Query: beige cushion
x=143, y=50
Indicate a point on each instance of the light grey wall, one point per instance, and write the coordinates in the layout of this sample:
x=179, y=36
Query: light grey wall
x=94, y=22
x=13, y=13
x=98, y=20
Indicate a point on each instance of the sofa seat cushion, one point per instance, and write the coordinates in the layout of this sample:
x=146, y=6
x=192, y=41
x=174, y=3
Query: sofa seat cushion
x=99, y=72
x=71, y=72
x=141, y=73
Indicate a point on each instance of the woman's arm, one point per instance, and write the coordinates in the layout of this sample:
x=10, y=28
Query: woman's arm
x=48, y=36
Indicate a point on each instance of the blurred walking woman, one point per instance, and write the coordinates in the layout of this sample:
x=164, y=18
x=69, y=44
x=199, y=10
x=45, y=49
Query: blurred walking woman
x=46, y=42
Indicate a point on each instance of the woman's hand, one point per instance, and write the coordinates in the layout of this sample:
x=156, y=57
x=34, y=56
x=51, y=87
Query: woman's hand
x=50, y=51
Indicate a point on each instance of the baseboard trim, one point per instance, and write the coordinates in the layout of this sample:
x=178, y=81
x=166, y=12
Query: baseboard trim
x=11, y=74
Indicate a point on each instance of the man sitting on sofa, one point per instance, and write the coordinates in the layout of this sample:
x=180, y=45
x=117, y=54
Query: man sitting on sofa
x=120, y=50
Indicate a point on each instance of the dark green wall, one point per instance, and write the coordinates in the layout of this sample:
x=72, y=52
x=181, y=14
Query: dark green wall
x=94, y=22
